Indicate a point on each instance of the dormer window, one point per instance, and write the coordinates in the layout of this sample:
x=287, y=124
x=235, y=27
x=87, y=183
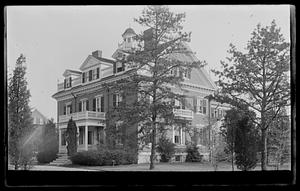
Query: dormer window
x=68, y=82
x=120, y=67
x=91, y=75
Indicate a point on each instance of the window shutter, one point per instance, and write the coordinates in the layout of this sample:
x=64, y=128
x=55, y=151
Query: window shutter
x=94, y=104
x=195, y=104
x=98, y=72
x=83, y=77
x=79, y=105
x=90, y=75
x=87, y=105
x=123, y=66
x=65, y=110
x=102, y=103
x=65, y=81
x=115, y=67
x=114, y=100
x=70, y=82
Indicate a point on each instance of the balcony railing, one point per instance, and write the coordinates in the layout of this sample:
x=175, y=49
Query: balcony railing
x=184, y=113
x=82, y=115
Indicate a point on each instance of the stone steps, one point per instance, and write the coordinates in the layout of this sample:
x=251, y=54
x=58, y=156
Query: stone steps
x=62, y=159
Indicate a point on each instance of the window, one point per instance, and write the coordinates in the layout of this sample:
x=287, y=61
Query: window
x=212, y=112
x=201, y=105
x=90, y=137
x=100, y=104
x=177, y=158
x=176, y=138
x=129, y=39
x=84, y=105
x=68, y=109
x=117, y=99
x=120, y=67
x=187, y=74
x=119, y=134
x=68, y=82
x=81, y=131
x=38, y=121
x=216, y=113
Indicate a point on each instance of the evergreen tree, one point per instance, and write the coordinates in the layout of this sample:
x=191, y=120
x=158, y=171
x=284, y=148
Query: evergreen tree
x=246, y=144
x=156, y=70
x=257, y=78
x=48, y=146
x=193, y=154
x=166, y=148
x=71, y=137
x=19, y=117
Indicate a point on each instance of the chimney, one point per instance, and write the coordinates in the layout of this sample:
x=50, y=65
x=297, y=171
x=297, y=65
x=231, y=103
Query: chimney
x=97, y=53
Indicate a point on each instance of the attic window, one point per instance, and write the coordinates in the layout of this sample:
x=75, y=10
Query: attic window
x=120, y=67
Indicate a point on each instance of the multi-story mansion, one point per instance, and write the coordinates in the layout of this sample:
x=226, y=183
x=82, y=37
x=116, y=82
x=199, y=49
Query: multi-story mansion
x=83, y=97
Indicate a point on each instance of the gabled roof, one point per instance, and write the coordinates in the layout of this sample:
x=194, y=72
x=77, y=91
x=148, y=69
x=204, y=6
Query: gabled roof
x=91, y=61
x=69, y=72
x=129, y=31
x=36, y=112
x=203, y=77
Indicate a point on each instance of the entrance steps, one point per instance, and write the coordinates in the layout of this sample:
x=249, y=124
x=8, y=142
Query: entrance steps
x=62, y=159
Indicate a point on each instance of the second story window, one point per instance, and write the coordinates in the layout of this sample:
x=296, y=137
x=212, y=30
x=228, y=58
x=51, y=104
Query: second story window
x=84, y=105
x=99, y=104
x=117, y=99
x=68, y=109
x=201, y=105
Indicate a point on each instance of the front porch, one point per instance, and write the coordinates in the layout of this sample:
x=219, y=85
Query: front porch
x=88, y=138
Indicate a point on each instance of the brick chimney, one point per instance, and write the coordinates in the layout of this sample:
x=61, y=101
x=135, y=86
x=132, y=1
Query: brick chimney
x=97, y=53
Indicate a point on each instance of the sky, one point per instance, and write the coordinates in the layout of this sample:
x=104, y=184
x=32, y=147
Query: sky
x=56, y=38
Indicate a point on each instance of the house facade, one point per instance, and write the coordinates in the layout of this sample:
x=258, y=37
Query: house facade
x=83, y=97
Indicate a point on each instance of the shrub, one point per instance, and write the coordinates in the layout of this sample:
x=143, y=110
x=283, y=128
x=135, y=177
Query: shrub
x=48, y=144
x=103, y=157
x=193, y=154
x=46, y=156
x=166, y=149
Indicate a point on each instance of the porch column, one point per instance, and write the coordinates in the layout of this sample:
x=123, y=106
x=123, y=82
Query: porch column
x=104, y=136
x=173, y=133
x=181, y=137
x=59, y=139
x=77, y=136
x=86, y=137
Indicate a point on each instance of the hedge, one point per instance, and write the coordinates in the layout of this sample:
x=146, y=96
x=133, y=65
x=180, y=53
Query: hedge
x=103, y=157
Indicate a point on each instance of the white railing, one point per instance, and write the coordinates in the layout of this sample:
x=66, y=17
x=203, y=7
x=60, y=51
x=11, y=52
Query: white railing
x=183, y=113
x=82, y=115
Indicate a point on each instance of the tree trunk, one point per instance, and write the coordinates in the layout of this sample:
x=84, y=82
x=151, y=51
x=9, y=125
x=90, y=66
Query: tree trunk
x=264, y=149
x=152, y=156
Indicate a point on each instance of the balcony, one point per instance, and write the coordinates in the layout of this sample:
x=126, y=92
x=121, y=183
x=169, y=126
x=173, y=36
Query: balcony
x=82, y=115
x=183, y=113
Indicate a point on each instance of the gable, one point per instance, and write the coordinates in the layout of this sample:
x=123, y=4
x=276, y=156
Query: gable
x=90, y=61
x=201, y=78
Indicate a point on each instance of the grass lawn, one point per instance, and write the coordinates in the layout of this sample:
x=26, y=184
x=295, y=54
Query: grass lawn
x=170, y=167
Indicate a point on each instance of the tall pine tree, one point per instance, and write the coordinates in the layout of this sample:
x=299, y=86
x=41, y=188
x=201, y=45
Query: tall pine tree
x=159, y=68
x=257, y=78
x=19, y=116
